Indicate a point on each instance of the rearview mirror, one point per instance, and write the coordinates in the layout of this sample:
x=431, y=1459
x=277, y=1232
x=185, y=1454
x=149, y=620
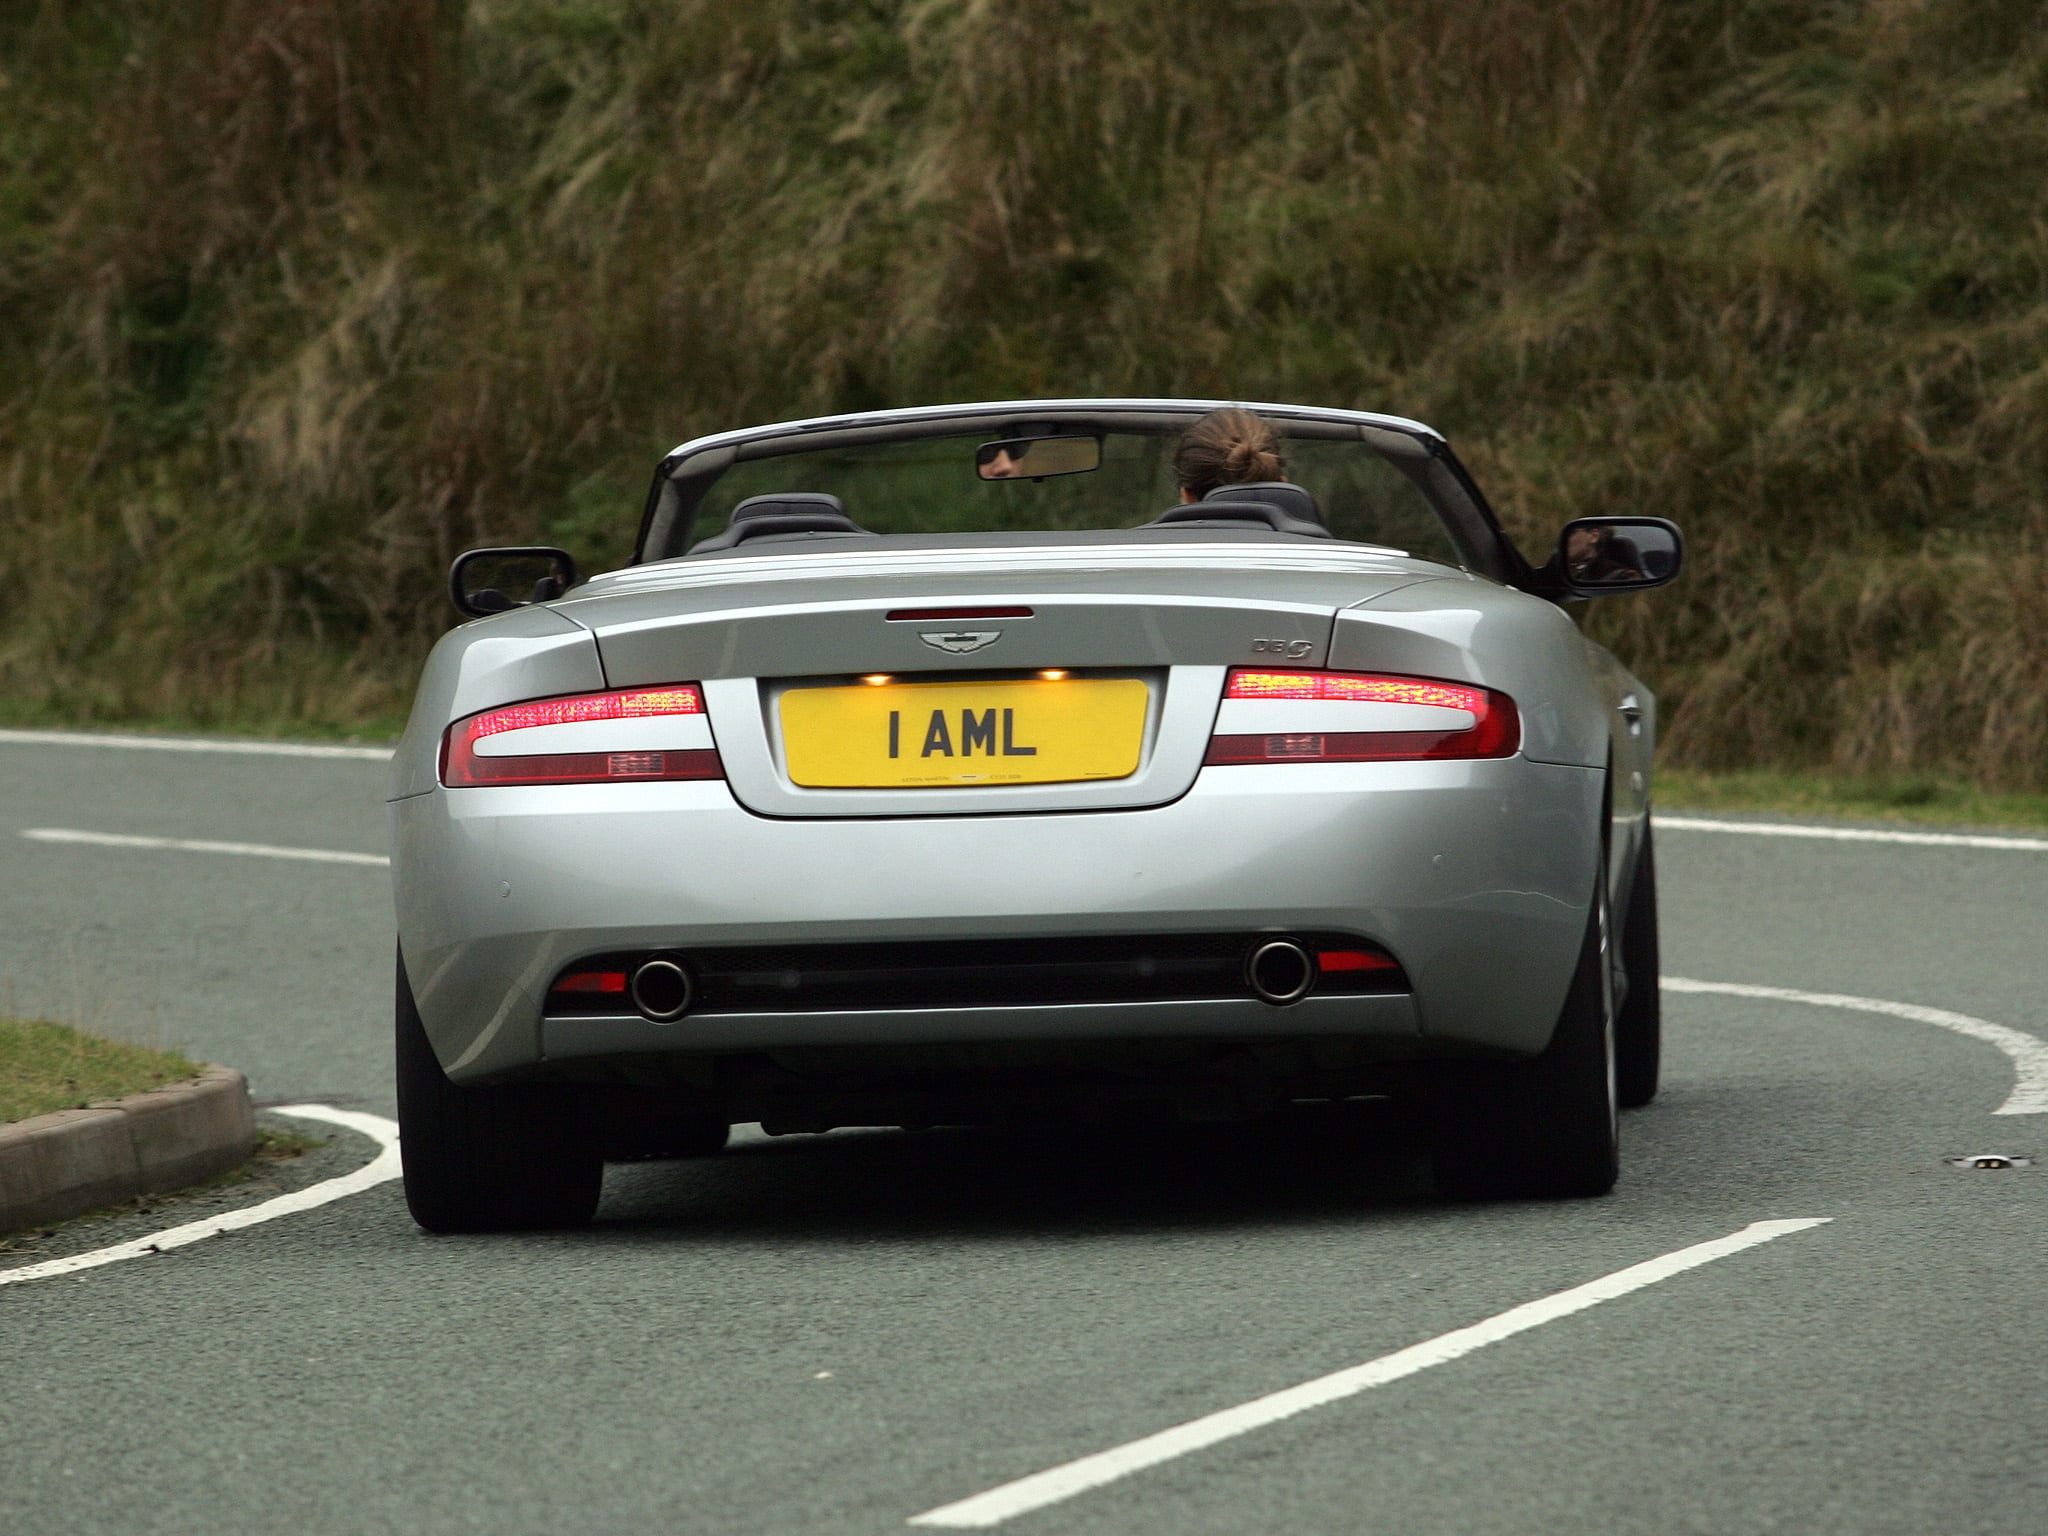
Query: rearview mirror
x=481, y=581
x=1601, y=555
x=1033, y=458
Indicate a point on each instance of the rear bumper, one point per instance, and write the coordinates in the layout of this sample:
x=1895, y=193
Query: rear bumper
x=1474, y=874
x=611, y=1035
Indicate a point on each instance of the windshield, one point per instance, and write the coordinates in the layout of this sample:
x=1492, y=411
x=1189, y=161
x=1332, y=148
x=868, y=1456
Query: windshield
x=931, y=485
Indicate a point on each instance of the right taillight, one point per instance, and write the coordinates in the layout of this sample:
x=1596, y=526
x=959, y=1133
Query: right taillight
x=1271, y=716
x=627, y=735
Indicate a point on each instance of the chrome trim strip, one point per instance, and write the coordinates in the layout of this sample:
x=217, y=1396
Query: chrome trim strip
x=1045, y=408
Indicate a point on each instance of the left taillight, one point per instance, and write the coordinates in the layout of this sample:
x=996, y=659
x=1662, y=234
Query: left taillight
x=1358, y=717
x=628, y=735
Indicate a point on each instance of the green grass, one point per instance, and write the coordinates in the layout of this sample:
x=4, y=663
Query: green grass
x=229, y=717
x=47, y=1067
x=1920, y=799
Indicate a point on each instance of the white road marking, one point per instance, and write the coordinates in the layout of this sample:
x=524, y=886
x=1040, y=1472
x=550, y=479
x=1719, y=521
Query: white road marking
x=1063, y=1482
x=380, y=1169
x=2029, y=1054
x=193, y=744
x=200, y=845
x=1851, y=834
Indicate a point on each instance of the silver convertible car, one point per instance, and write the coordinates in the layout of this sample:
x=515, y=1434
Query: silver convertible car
x=958, y=765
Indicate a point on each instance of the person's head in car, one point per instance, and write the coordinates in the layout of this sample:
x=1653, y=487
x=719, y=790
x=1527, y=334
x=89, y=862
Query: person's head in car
x=1003, y=464
x=1226, y=447
x=1594, y=556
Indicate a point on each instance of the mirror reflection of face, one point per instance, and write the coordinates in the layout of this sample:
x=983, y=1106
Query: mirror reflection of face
x=1035, y=458
x=1600, y=556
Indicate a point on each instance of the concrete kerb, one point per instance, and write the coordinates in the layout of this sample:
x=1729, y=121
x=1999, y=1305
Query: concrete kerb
x=78, y=1160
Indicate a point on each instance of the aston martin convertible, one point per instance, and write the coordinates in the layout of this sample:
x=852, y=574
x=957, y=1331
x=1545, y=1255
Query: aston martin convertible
x=957, y=766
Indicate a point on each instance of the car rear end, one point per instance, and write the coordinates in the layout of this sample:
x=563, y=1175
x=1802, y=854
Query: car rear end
x=945, y=830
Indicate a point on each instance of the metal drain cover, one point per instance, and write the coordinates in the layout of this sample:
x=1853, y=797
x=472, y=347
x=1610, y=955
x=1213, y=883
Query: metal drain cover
x=1989, y=1160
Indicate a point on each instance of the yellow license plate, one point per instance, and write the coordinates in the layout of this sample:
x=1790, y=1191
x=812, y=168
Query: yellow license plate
x=931, y=735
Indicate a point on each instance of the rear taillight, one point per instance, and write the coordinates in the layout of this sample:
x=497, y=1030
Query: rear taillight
x=573, y=740
x=592, y=981
x=1331, y=961
x=1412, y=723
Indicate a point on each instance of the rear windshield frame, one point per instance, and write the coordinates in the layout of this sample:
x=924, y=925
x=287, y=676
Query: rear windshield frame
x=685, y=477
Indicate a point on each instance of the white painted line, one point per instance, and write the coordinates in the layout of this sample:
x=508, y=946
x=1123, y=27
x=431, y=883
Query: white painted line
x=200, y=845
x=380, y=1169
x=2029, y=1053
x=193, y=744
x=1850, y=834
x=1049, y=1487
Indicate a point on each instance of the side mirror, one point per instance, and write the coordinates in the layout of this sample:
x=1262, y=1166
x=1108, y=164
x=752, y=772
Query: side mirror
x=480, y=579
x=1597, y=556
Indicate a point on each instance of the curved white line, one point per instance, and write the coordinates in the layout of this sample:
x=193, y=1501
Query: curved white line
x=193, y=744
x=200, y=845
x=2028, y=1053
x=1853, y=834
x=380, y=1169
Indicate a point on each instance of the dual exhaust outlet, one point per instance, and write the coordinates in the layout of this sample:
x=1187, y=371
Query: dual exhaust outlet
x=661, y=989
x=1279, y=971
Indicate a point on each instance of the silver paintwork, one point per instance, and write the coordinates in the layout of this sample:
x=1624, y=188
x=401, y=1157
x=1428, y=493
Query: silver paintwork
x=1477, y=875
x=1390, y=1017
x=1166, y=406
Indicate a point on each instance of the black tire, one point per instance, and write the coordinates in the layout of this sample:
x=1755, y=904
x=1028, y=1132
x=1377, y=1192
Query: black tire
x=1639, y=1022
x=1542, y=1129
x=494, y=1159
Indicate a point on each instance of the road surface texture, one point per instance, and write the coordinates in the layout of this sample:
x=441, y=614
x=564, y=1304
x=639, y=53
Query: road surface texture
x=845, y=1333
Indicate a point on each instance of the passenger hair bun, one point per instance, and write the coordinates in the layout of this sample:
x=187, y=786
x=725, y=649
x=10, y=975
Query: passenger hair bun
x=1252, y=461
x=1227, y=447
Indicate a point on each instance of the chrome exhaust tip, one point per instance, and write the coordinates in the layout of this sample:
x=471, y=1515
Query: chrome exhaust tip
x=662, y=990
x=1280, y=972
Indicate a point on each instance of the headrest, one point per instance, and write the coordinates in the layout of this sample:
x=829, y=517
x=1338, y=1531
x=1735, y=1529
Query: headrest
x=783, y=502
x=1284, y=494
x=1282, y=507
x=785, y=512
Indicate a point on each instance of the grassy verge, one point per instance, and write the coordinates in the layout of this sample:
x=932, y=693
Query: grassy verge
x=47, y=1067
x=232, y=719
x=1910, y=798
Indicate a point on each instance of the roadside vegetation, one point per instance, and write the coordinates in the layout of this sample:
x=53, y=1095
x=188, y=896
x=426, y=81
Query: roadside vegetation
x=299, y=297
x=46, y=1067
x=1909, y=798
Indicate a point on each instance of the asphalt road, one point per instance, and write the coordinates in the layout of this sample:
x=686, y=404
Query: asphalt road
x=834, y=1334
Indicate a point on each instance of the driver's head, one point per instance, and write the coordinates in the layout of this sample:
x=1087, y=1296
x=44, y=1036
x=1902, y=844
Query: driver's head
x=1226, y=447
x=1002, y=466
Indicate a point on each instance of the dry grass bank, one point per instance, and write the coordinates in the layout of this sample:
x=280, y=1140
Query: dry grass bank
x=297, y=297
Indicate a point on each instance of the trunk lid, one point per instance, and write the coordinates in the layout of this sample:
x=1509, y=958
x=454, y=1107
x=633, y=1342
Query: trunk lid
x=1174, y=615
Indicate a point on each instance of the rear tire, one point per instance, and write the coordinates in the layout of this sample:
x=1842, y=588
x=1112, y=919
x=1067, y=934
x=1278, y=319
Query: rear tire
x=1542, y=1129
x=1639, y=1024
x=491, y=1159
